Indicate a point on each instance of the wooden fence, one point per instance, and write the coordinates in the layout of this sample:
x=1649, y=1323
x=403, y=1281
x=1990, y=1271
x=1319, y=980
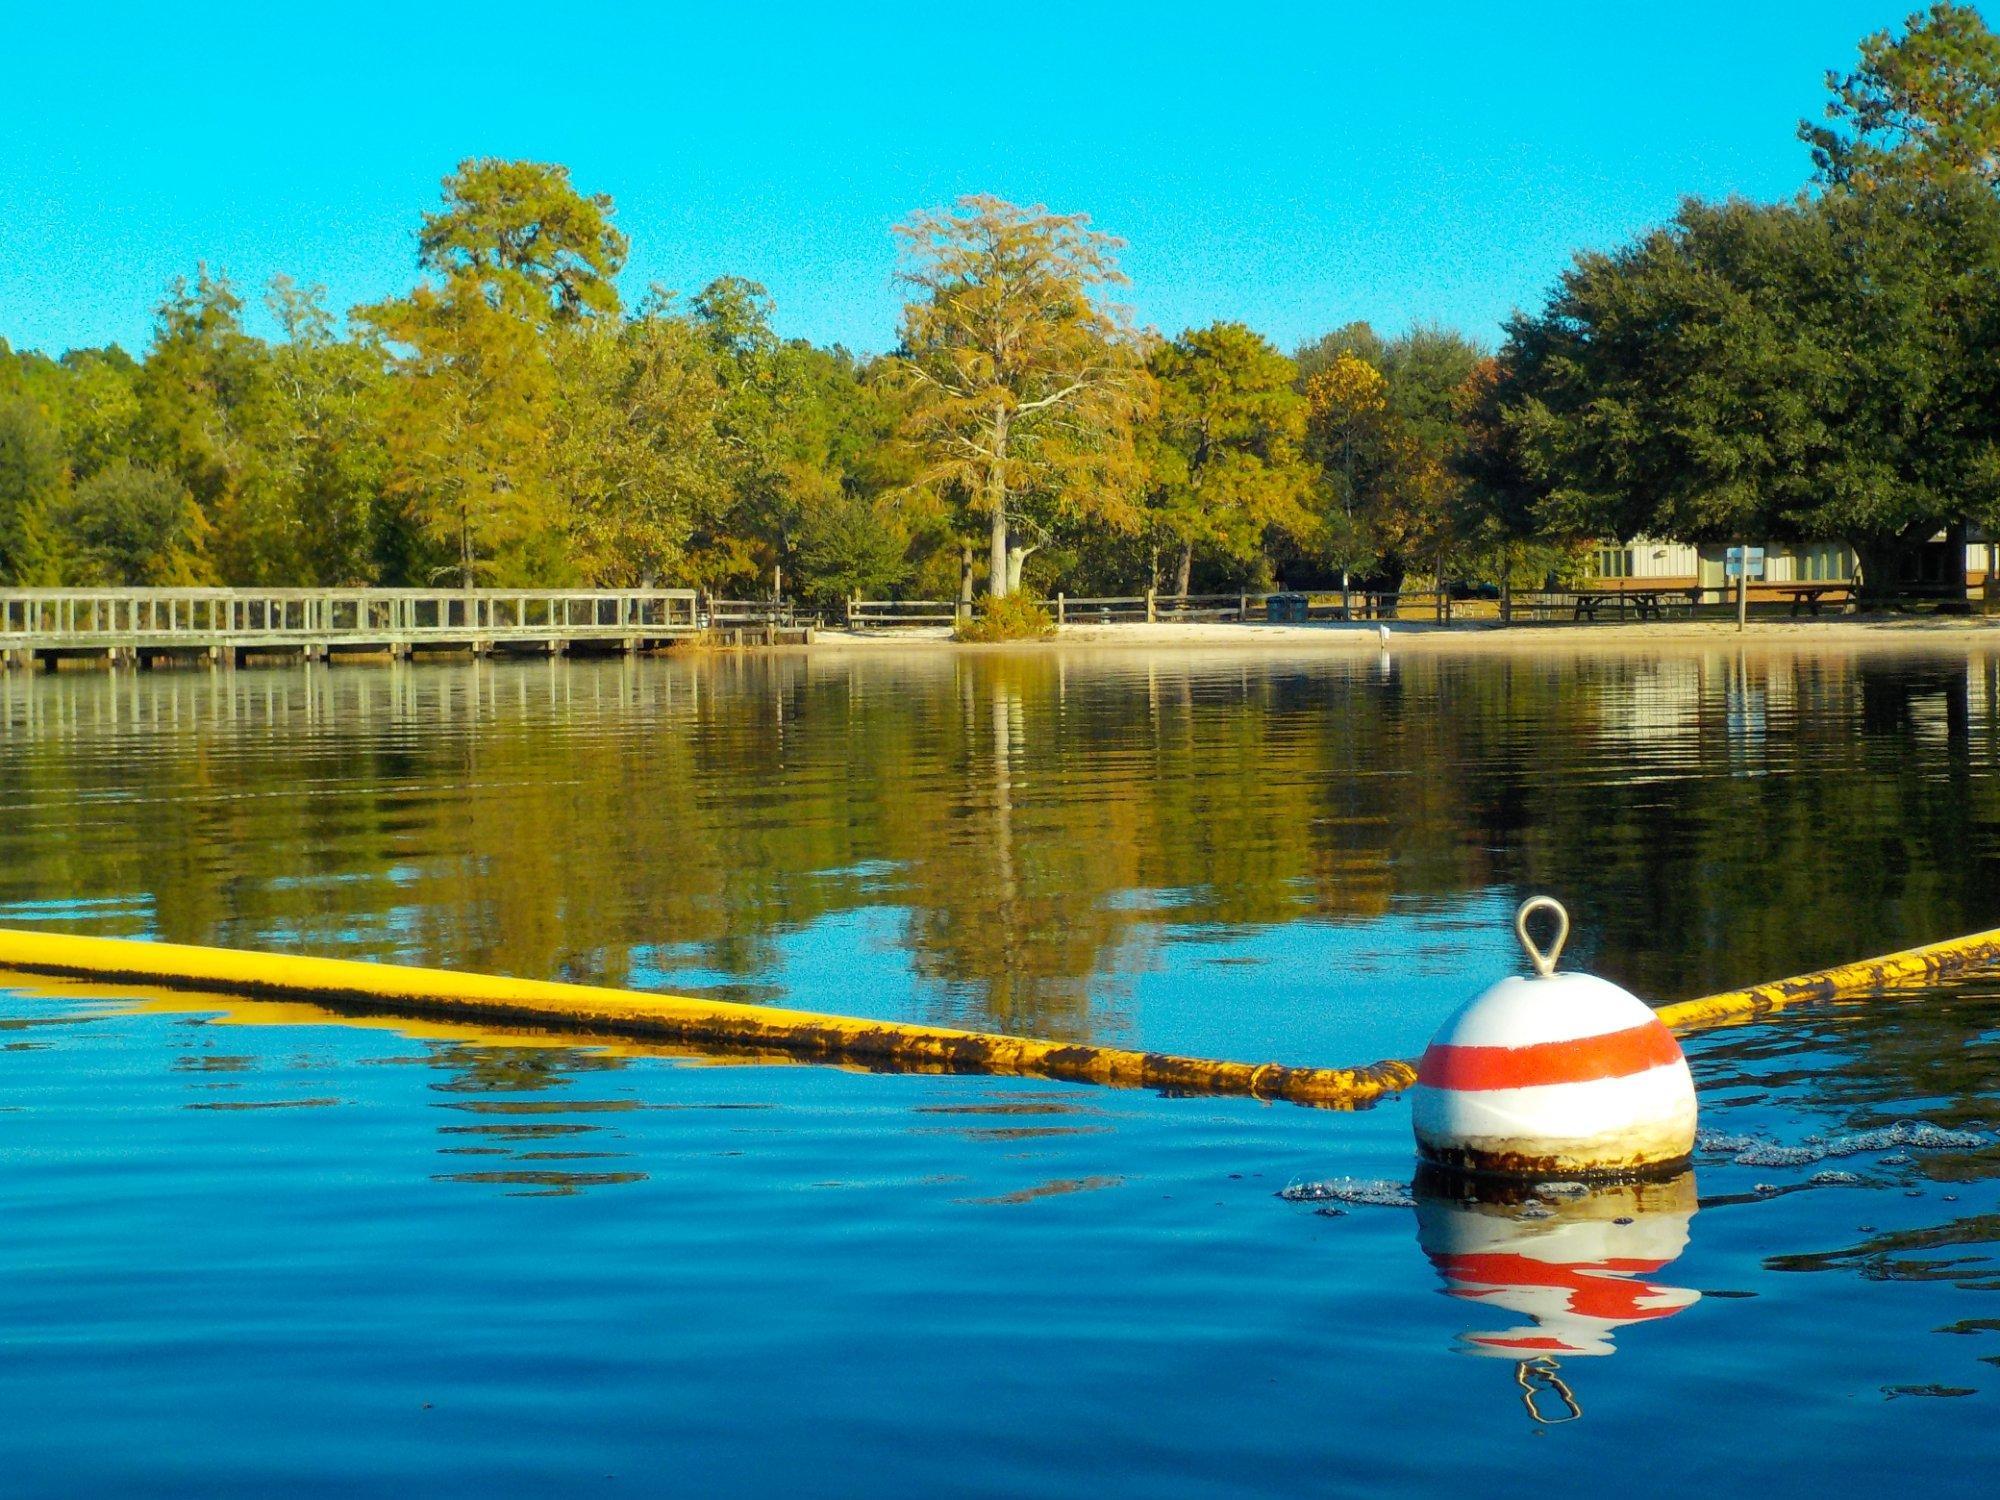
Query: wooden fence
x=1154, y=608
x=888, y=614
x=1577, y=605
x=1427, y=606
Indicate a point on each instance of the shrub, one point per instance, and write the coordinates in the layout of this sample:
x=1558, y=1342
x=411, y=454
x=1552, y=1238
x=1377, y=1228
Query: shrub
x=1018, y=617
x=132, y=524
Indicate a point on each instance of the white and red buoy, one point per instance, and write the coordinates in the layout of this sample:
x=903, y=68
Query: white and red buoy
x=1561, y=1075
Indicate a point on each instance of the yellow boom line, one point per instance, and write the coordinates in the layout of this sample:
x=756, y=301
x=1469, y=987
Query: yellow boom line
x=344, y=984
x=1870, y=976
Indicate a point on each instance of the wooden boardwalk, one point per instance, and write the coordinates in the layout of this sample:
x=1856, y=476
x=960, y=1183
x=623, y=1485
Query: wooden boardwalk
x=41, y=627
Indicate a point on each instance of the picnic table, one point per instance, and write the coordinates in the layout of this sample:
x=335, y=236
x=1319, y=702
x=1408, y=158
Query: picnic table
x=1360, y=606
x=1648, y=604
x=1811, y=595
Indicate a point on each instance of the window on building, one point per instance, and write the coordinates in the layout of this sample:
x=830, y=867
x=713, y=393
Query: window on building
x=1614, y=562
x=1825, y=562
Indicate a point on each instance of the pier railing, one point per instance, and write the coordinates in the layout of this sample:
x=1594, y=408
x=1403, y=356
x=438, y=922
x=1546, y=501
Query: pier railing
x=784, y=613
x=246, y=619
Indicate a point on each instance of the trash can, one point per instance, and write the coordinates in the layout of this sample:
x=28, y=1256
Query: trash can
x=1285, y=609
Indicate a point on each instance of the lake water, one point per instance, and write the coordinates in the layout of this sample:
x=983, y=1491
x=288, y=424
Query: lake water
x=254, y=1249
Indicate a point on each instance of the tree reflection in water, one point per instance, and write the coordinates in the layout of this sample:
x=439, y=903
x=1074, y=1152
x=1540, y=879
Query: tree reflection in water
x=531, y=1135
x=1032, y=824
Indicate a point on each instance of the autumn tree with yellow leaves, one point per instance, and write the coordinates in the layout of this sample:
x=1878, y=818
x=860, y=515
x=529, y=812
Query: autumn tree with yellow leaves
x=1345, y=406
x=1386, y=426
x=1024, y=379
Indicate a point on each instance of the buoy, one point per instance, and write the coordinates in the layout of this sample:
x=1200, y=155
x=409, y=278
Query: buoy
x=1577, y=1263
x=1560, y=1075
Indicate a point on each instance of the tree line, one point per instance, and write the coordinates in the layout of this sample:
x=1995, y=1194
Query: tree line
x=1817, y=368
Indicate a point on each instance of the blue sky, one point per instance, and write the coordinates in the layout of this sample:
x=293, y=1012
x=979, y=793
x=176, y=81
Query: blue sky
x=1292, y=167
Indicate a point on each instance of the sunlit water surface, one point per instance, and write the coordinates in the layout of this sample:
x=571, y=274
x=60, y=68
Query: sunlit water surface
x=252, y=1249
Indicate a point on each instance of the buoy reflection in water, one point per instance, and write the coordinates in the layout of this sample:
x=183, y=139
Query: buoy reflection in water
x=1574, y=1264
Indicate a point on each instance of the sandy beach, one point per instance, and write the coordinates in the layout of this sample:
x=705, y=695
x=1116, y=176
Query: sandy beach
x=1898, y=634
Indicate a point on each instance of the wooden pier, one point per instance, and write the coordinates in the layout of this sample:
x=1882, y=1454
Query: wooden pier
x=226, y=627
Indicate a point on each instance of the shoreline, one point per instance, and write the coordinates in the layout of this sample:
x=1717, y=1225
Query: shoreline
x=1927, y=633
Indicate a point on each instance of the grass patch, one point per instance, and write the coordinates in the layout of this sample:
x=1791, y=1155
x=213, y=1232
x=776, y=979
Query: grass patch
x=1018, y=617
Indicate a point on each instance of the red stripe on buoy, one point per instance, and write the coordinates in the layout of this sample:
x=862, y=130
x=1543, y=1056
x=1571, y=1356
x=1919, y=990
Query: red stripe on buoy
x=1583, y=1059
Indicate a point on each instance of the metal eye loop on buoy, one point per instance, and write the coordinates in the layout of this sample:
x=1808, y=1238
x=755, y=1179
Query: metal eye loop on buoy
x=1536, y=1377
x=1544, y=961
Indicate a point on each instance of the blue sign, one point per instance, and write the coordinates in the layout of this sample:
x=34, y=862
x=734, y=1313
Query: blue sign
x=1733, y=562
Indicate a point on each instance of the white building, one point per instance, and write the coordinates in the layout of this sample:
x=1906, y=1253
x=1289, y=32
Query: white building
x=1655, y=562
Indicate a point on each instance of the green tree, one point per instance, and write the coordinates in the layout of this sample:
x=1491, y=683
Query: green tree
x=523, y=232
x=470, y=431
x=327, y=449
x=209, y=414
x=774, y=468
x=1902, y=309
x=133, y=525
x=804, y=430
x=638, y=445
x=1926, y=103
x=1420, y=508
x=851, y=547
x=1387, y=428
x=1024, y=380
x=1347, y=413
x=34, y=481
x=473, y=429
x=1659, y=392
x=92, y=396
x=1349, y=341
x=1223, y=446
x=1503, y=542
x=1816, y=369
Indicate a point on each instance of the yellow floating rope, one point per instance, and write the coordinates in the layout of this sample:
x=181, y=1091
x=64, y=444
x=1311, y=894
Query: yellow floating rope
x=347, y=985
x=1910, y=968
